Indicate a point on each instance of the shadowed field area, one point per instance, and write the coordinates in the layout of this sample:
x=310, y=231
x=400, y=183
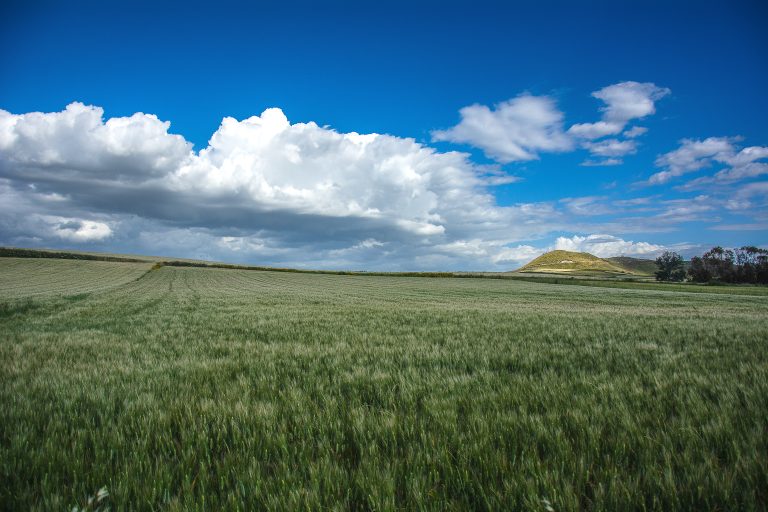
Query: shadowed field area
x=196, y=388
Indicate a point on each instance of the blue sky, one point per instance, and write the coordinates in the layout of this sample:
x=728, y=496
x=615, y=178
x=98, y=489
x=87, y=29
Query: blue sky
x=529, y=93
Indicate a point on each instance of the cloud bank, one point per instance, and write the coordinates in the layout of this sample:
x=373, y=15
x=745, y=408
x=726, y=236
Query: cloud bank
x=272, y=192
x=605, y=246
x=263, y=188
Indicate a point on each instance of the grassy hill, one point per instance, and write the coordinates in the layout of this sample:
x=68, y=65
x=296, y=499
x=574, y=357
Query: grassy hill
x=634, y=265
x=568, y=262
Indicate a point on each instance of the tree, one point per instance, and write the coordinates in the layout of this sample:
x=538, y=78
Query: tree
x=720, y=263
x=670, y=267
x=697, y=272
x=752, y=265
x=748, y=264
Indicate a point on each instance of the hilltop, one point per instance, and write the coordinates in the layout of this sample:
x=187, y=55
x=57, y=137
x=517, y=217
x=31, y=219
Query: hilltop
x=569, y=262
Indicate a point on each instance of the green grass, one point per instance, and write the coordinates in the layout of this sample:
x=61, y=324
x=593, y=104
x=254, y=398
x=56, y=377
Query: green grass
x=569, y=262
x=22, y=277
x=635, y=265
x=639, y=284
x=194, y=388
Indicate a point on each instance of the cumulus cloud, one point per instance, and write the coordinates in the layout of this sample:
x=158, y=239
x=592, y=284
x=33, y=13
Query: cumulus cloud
x=77, y=230
x=605, y=246
x=263, y=188
x=272, y=192
x=514, y=130
x=522, y=127
x=78, y=141
x=25, y=224
x=624, y=102
x=691, y=156
x=629, y=100
x=694, y=155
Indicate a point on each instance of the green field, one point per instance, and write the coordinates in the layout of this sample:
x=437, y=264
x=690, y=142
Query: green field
x=215, y=389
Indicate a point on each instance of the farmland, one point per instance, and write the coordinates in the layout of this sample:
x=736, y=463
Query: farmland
x=182, y=388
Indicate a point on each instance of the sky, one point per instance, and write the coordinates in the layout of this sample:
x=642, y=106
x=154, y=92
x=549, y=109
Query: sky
x=383, y=135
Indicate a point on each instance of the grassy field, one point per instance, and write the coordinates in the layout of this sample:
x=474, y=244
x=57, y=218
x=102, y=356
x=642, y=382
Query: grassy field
x=25, y=278
x=640, y=284
x=209, y=389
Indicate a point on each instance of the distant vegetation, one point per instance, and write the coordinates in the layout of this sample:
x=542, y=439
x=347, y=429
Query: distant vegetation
x=735, y=266
x=183, y=388
x=744, y=265
x=12, y=252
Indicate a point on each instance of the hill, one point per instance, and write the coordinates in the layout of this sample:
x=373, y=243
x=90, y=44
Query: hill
x=568, y=262
x=634, y=265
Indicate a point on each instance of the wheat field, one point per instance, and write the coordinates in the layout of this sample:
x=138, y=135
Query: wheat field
x=218, y=389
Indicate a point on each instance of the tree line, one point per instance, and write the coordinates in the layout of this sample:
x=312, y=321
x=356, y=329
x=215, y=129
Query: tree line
x=747, y=264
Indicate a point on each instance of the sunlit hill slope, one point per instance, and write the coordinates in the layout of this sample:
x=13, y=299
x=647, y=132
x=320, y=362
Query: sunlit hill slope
x=569, y=262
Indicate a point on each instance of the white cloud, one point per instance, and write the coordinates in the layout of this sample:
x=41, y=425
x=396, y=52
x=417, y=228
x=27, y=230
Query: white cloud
x=602, y=163
x=586, y=206
x=494, y=251
x=694, y=155
x=594, y=130
x=269, y=164
x=745, y=156
x=691, y=156
x=605, y=246
x=522, y=127
x=697, y=208
x=77, y=140
x=624, y=102
x=612, y=147
x=270, y=192
x=518, y=255
x=54, y=228
x=515, y=130
x=759, y=189
x=77, y=230
x=741, y=172
x=635, y=131
x=263, y=189
x=741, y=227
x=629, y=100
